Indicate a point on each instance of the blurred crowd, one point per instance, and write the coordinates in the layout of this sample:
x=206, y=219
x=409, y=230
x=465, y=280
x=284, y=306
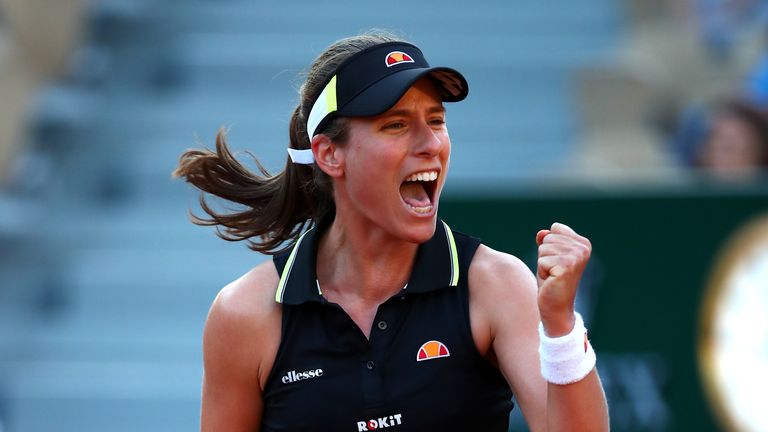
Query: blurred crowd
x=688, y=92
x=728, y=137
x=99, y=97
x=29, y=58
x=687, y=95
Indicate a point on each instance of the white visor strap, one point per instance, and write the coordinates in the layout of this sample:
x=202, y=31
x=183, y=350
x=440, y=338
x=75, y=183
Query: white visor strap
x=324, y=105
x=304, y=157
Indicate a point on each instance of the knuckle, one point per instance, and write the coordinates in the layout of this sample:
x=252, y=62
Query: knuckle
x=568, y=261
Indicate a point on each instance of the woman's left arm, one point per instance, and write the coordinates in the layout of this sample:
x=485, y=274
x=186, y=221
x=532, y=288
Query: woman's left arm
x=563, y=256
x=506, y=305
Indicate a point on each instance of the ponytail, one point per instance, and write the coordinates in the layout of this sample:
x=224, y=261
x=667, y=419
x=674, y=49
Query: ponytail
x=276, y=208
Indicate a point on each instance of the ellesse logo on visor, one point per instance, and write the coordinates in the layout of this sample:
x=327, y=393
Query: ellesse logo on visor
x=432, y=350
x=397, y=57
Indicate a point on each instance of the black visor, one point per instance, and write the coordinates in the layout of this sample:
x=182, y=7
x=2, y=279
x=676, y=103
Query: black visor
x=371, y=81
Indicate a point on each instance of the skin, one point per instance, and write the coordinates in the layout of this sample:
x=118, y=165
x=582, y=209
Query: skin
x=242, y=332
x=733, y=150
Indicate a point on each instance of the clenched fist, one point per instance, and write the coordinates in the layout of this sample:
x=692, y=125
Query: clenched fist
x=563, y=255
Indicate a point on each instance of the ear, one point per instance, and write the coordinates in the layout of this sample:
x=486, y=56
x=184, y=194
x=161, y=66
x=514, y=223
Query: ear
x=328, y=156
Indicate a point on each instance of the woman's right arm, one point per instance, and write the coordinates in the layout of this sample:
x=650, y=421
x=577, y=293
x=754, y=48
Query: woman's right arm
x=240, y=340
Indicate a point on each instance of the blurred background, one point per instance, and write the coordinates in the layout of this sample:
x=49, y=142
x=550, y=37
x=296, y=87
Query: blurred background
x=639, y=123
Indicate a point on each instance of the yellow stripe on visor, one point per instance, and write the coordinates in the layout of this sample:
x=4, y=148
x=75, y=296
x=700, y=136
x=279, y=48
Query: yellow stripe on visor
x=324, y=105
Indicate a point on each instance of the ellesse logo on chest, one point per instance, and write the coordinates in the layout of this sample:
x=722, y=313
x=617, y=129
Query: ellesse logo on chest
x=432, y=350
x=295, y=376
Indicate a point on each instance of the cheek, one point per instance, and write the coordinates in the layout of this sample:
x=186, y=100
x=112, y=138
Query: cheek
x=371, y=160
x=370, y=175
x=445, y=152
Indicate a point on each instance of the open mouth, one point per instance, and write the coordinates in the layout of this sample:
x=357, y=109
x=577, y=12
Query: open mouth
x=418, y=191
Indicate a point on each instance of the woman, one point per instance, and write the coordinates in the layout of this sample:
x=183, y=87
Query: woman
x=736, y=145
x=380, y=316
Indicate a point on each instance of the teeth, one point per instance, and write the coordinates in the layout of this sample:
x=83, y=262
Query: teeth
x=423, y=176
x=421, y=210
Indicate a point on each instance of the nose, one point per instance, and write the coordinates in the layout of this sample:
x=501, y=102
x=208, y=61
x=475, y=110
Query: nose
x=429, y=142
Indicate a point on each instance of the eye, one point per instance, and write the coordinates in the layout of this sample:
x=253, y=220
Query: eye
x=437, y=121
x=396, y=125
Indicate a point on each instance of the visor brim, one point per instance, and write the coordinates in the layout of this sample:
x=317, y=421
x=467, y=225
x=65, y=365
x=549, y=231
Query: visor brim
x=384, y=94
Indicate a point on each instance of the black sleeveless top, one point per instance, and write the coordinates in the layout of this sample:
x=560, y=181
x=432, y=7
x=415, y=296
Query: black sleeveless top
x=419, y=371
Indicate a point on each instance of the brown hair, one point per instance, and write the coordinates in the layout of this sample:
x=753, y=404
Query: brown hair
x=751, y=115
x=277, y=208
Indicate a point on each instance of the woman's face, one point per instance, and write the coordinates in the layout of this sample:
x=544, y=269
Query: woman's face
x=396, y=163
x=733, y=150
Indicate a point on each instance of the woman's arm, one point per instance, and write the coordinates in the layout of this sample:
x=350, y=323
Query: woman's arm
x=563, y=256
x=239, y=344
x=504, y=310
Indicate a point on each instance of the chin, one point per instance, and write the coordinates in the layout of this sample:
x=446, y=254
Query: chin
x=421, y=231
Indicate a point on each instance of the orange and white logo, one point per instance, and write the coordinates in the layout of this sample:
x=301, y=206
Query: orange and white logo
x=432, y=350
x=397, y=57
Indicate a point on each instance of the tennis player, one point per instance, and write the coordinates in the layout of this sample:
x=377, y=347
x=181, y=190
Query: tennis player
x=374, y=314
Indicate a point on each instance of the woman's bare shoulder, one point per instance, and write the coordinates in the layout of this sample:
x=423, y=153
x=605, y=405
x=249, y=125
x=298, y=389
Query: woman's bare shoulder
x=495, y=273
x=249, y=297
x=502, y=294
x=242, y=332
x=240, y=340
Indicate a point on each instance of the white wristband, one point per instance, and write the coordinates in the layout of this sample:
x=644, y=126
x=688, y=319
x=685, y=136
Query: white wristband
x=566, y=359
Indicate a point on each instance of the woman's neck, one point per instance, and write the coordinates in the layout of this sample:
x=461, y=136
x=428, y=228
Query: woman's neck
x=359, y=260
